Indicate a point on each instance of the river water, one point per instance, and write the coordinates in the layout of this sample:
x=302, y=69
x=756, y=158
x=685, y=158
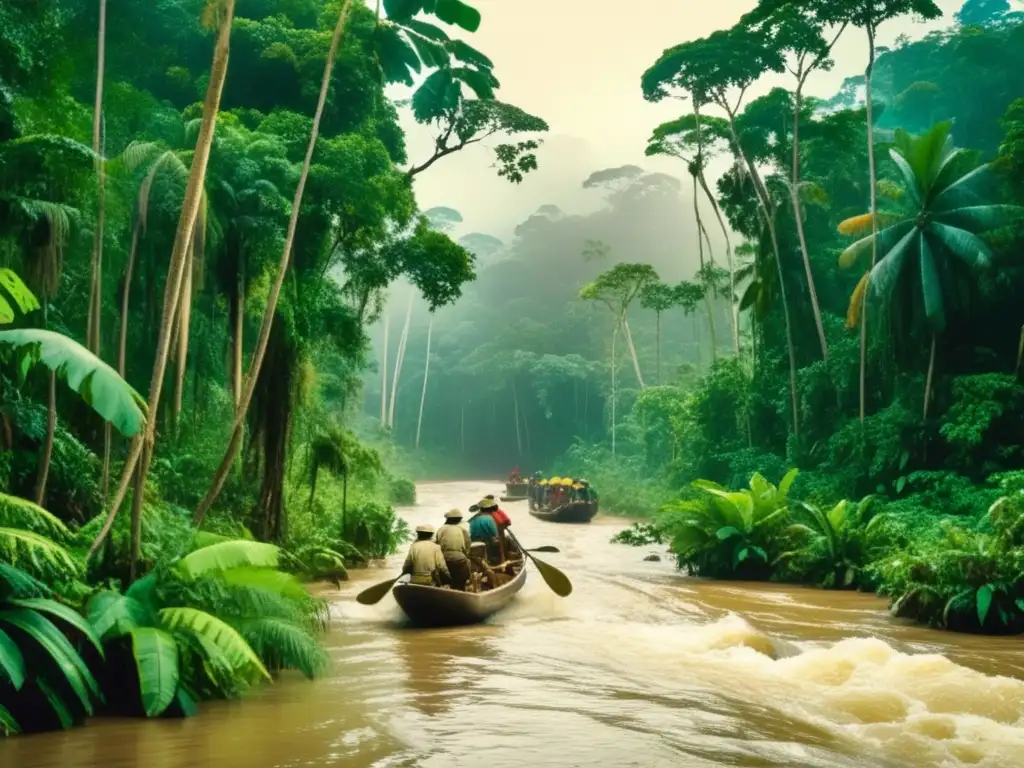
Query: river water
x=640, y=666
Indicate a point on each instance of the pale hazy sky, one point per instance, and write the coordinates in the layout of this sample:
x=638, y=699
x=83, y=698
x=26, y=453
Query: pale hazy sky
x=579, y=68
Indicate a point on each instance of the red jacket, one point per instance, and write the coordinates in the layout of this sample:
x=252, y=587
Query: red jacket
x=501, y=518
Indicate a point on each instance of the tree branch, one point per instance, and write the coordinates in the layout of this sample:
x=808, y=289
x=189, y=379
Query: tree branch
x=443, y=151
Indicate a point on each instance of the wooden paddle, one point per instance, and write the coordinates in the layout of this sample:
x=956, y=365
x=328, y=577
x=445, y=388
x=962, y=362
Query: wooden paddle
x=373, y=595
x=553, y=577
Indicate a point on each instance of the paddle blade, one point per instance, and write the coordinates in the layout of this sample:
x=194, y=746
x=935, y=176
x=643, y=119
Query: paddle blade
x=554, y=578
x=546, y=548
x=373, y=595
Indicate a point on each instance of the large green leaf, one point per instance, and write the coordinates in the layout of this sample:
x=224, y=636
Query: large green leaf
x=910, y=178
x=156, y=659
x=458, y=13
x=983, y=601
x=427, y=30
x=968, y=247
x=395, y=55
x=18, y=292
x=787, y=481
x=218, y=633
x=481, y=82
x=60, y=651
x=889, y=266
x=12, y=663
x=400, y=10
x=931, y=288
x=438, y=94
x=113, y=614
x=8, y=725
x=432, y=53
x=98, y=384
x=469, y=55
x=63, y=612
x=227, y=555
x=979, y=218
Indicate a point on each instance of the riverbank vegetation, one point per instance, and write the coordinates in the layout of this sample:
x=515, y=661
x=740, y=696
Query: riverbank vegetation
x=843, y=298
x=202, y=207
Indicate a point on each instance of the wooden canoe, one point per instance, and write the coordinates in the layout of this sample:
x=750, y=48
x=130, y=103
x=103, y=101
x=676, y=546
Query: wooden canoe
x=572, y=512
x=517, y=489
x=513, y=498
x=437, y=607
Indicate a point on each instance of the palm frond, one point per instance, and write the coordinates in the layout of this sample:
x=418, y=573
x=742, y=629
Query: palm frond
x=284, y=645
x=16, y=512
x=37, y=555
x=227, y=555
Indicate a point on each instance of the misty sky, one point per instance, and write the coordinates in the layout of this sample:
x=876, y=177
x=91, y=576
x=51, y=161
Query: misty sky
x=580, y=70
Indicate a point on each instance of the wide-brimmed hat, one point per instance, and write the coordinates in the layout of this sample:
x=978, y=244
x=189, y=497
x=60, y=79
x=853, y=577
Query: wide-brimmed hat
x=453, y=514
x=424, y=529
x=489, y=496
x=542, y=482
x=488, y=504
x=554, y=480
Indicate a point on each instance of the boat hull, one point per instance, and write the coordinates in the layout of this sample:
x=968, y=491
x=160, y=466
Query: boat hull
x=517, y=489
x=513, y=498
x=573, y=512
x=436, y=607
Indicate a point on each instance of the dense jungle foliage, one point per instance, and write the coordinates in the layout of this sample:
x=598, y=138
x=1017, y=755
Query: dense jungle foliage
x=852, y=314
x=201, y=206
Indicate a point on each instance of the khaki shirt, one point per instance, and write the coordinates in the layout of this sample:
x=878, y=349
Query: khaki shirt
x=424, y=560
x=454, y=541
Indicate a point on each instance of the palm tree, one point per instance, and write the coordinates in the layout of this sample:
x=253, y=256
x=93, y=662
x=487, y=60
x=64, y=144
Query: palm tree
x=944, y=217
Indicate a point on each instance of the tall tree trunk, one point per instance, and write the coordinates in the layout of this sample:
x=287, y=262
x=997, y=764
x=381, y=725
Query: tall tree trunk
x=238, y=341
x=172, y=290
x=928, y=381
x=769, y=217
x=426, y=373
x=700, y=252
x=733, y=304
x=615, y=335
x=184, y=323
x=399, y=359
x=275, y=291
x=657, y=348
x=96, y=271
x=632, y=351
x=795, y=193
x=384, y=373
x=515, y=411
x=45, y=456
x=129, y=270
x=874, y=218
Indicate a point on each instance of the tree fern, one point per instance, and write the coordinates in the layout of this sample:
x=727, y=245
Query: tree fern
x=16, y=512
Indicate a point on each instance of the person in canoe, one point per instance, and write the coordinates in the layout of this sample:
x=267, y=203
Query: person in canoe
x=502, y=521
x=454, y=542
x=514, y=476
x=425, y=562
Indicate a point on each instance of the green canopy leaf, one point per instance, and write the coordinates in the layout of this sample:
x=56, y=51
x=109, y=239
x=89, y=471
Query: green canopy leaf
x=227, y=555
x=17, y=291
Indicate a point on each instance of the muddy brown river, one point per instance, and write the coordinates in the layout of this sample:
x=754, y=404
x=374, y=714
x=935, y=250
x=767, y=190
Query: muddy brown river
x=641, y=666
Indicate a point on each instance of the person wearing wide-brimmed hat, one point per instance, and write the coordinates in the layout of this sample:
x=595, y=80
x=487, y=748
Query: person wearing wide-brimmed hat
x=425, y=562
x=454, y=542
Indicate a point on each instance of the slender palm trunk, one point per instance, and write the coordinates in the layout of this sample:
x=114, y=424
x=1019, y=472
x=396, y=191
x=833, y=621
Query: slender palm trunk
x=384, y=373
x=172, y=290
x=769, y=217
x=426, y=373
x=93, y=322
x=928, y=381
x=632, y=351
x=275, y=291
x=403, y=340
x=874, y=219
x=797, y=211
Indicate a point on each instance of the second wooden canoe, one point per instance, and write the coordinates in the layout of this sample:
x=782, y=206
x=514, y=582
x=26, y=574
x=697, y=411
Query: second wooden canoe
x=428, y=606
x=572, y=512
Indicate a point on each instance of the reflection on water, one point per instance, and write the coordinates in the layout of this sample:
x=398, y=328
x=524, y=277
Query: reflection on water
x=639, y=667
